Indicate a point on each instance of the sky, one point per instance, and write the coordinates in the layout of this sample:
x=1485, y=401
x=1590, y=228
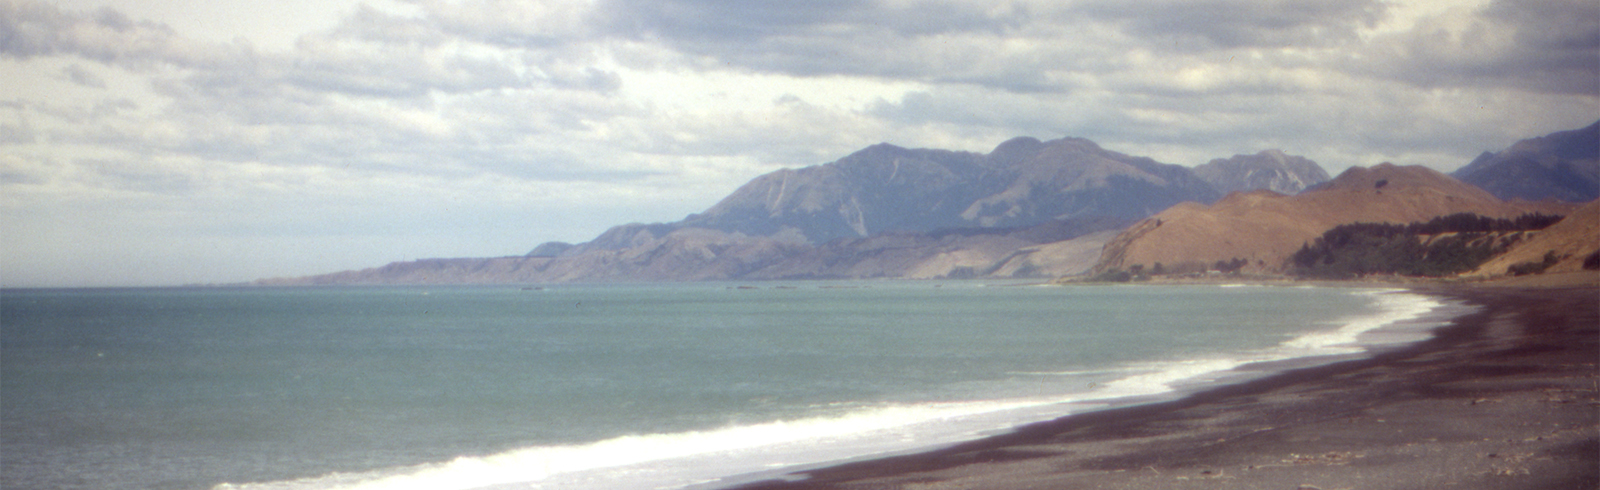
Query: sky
x=148, y=143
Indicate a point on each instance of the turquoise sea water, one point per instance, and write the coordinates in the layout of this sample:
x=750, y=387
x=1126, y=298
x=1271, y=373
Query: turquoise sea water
x=626, y=386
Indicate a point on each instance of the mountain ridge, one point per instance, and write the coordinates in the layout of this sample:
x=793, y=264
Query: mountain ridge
x=886, y=188
x=1564, y=165
x=1028, y=208
x=1264, y=228
x=1270, y=169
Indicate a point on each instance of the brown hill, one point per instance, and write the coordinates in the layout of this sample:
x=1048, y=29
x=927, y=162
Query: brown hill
x=1264, y=228
x=1570, y=242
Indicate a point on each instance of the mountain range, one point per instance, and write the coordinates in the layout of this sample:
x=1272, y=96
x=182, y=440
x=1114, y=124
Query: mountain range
x=1029, y=208
x=888, y=189
x=1563, y=166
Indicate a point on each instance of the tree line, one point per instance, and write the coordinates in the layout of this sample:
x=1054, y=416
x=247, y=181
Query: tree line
x=1416, y=249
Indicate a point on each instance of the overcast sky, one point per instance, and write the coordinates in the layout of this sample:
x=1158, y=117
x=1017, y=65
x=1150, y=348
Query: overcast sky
x=147, y=142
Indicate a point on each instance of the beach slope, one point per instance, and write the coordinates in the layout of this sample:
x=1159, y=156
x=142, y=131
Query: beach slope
x=1505, y=397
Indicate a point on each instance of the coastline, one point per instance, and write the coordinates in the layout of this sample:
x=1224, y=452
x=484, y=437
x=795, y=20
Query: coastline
x=1507, y=396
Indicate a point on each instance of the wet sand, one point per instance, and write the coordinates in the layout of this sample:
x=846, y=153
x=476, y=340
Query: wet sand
x=1506, y=397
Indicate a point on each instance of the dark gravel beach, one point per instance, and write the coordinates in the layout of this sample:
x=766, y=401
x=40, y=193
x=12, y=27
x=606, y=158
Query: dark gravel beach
x=1505, y=397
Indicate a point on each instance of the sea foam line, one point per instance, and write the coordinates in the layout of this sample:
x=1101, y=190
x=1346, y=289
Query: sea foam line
x=531, y=466
x=779, y=443
x=1394, y=307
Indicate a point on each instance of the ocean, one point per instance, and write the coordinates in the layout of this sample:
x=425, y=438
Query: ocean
x=609, y=386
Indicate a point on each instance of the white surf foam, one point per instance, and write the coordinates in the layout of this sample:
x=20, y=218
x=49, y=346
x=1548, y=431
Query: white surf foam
x=684, y=459
x=1394, y=308
x=642, y=461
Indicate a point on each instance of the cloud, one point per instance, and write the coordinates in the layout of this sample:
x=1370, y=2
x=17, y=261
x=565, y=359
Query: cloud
x=17, y=132
x=78, y=74
x=1013, y=46
x=726, y=20
x=369, y=54
x=1183, y=25
x=1550, y=46
x=916, y=40
x=380, y=91
x=550, y=24
x=30, y=29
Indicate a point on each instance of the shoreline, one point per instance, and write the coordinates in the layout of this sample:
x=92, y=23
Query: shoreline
x=1506, y=396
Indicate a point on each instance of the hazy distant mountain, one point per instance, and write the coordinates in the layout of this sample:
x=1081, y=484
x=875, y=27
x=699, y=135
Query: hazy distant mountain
x=1563, y=165
x=1262, y=229
x=1271, y=170
x=1042, y=251
x=877, y=189
x=1027, y=209
x=884, y=188
x=666, y=253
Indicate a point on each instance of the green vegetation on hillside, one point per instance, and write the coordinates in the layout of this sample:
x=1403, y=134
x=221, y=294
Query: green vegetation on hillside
x=1137, y=272
x=1442, y=246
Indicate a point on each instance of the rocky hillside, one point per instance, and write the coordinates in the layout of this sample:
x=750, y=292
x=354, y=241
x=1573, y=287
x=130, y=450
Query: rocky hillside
x=1563, y=166
x=1258, y=231
x=1568, y=246
x=1270, y=170
x=885, y=188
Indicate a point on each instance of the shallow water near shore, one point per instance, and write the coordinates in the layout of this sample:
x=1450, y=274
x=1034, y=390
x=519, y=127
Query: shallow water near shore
x=624, y=386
